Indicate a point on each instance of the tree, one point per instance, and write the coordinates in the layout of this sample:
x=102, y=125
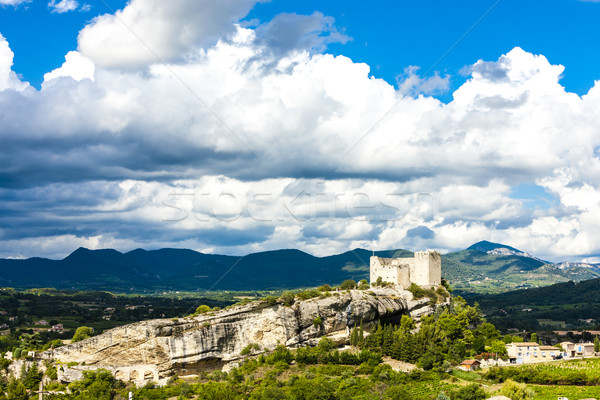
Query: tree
x=516, y=391
x=470, y=392
x=596, y=344
x=83, y=332
x=498, y=347
x=202, y=309
x=32, y=377
x=348, y=284
x=16, y=390
x=479, y=344
x=534, y=337
x=288, y=298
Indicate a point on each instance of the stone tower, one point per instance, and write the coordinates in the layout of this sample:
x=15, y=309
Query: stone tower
x=424, y=269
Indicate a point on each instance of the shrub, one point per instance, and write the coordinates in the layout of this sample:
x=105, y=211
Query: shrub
x=516, y=391
x=202, y=309
x=308, y=294
x=270, y=300
x=318, y=321
x=287, y=298
x=83, y=332
x=324, y=288
x=281, y=354
x=416, y=290
x=348, y=284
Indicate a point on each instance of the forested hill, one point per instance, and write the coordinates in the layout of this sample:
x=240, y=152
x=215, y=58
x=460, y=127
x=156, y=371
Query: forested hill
x=181, y=269
x=584, y=292
x=569, y=305
x=485, y=267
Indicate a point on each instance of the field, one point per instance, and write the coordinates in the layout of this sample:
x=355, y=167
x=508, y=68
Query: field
x=571, y=392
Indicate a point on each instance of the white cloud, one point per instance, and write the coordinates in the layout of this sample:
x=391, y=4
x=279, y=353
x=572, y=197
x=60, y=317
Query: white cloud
x=13, y=2
x=148, y=30
x=75, y=66
x=107, y=156
x=8, y=79
x=63, y=6
x=410, y=83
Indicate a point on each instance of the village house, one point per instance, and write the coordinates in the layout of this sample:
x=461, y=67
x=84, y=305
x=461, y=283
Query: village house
x=57, y=328
x=469, y=365
x=42, y=322
x=577, y=349
x=531, y=352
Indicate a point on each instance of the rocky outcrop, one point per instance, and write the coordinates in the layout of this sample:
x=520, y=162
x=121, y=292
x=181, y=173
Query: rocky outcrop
x=187, y=345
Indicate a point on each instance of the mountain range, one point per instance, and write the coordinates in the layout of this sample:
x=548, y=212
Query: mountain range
x=483, y=267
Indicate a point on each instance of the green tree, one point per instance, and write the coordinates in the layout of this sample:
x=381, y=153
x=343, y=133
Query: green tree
x=16, y=390
x=348, y=284
x=83, y=332
x=498, y=347
x=288, y=298
x=203, y=309
x=479, y=344
x=596, y=344
x=470, y=392
x=32, y=377
x=534, y=337
x=95, y=385
x=516, y=391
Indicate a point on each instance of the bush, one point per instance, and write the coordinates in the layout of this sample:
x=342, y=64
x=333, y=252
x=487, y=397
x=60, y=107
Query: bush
x=416, y=290
x=363, y=284
x=281, y=354
x=83, y=332
x=324, y=288
x=516, y=391
x=348, y=284
x=318, y=321
x=270, y=300
x=203, y=309
x=308, y=294
x=288, y=298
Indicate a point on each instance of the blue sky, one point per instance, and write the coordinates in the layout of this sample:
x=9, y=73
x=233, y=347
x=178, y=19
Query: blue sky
x=387, y=35
x=240, y=126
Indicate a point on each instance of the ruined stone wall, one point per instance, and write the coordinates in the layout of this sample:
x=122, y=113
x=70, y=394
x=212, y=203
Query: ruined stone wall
x=425, y=269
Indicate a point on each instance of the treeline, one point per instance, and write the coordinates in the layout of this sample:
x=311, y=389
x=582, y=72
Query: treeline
x=442, y=340
x=544, y=376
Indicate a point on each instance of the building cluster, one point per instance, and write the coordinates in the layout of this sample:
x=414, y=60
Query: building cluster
x=531, y=352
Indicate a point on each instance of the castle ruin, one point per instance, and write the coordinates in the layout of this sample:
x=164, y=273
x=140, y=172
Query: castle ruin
x=424, y=269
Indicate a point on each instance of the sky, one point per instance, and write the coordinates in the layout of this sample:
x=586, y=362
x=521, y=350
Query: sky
x=240, y=126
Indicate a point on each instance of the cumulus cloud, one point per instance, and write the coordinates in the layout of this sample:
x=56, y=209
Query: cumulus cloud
x=239, y=142
x=149, y=31
x=8, y=79
x=63, y=6
x=289, y=32
x=75, y=66
x=410, y=83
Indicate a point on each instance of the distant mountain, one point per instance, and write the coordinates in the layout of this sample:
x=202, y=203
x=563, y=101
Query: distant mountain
x=499, y=249
x=484, y=267
x=488, y=267
x=182, y=269
x=568, y=265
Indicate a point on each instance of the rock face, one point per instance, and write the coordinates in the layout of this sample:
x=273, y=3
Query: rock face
x=188, y=345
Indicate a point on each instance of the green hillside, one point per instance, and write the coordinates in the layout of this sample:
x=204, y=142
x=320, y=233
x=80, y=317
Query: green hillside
x=567, y=304
x=476, y=271
x=182, y=269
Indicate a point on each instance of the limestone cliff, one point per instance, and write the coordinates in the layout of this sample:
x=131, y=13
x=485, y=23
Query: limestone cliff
x=186, y=345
